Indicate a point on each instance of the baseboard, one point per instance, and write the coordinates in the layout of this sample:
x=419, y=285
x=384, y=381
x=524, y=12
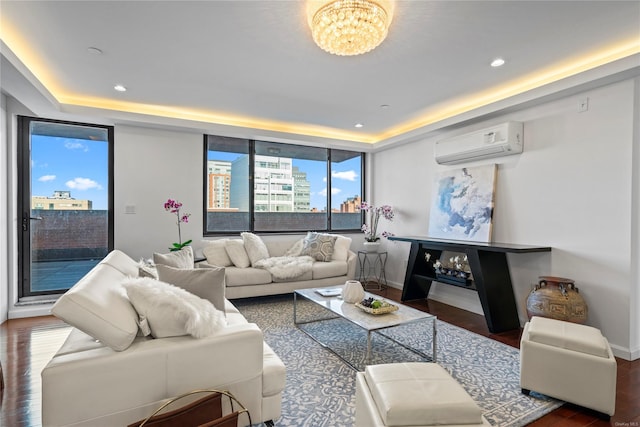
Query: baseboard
x=624, y=353
x=30, y=310
x=463, y=299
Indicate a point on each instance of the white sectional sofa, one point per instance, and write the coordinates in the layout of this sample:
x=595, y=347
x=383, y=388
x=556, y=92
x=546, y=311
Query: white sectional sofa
x=244, y=279
x=107, y=374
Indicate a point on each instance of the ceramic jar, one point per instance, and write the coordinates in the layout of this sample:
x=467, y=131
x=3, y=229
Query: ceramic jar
x=352, y=292
x=557, y=298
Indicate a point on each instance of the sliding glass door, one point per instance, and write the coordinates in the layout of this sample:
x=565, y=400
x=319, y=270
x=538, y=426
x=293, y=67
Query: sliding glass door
x=66, y=202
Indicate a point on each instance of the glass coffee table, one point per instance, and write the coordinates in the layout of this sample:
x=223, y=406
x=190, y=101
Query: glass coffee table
x=335, y=308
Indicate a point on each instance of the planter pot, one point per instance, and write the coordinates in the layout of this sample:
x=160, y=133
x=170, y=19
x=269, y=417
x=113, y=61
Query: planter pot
x=557, y=298
x=371, y=246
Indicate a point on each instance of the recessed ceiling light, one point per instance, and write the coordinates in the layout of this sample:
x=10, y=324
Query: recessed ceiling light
x=359, y=125
x=120, y=88
x=385, y=106
x=94, y=51
x=498, y=62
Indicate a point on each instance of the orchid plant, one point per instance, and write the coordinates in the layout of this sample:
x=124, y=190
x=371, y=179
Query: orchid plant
x=370, y=230
x=174, y=206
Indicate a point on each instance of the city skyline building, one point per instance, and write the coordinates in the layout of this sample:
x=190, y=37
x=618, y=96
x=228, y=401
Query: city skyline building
x=218, y=190
x=60, y=201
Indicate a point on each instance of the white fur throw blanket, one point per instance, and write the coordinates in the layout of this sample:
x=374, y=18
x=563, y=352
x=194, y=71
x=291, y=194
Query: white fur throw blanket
x=286, y=267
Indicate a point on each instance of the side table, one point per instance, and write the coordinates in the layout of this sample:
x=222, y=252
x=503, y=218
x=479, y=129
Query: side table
x=372, y=265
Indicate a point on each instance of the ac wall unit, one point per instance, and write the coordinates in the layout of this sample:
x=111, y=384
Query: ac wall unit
x=500, y=140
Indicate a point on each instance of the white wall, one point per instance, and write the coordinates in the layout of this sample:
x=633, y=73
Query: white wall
x=8, y=199
x=571, y=189
x=4, y=234
x=635, y=228
x=151, y=167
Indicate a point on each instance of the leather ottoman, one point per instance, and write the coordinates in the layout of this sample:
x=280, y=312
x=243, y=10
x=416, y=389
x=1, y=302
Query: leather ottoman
x=570, y=362
x=413, y=394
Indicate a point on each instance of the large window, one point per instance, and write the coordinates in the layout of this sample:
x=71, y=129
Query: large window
x=273, y=187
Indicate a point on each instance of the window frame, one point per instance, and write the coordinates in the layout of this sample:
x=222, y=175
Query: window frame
x=250, y=183
x=23, y=199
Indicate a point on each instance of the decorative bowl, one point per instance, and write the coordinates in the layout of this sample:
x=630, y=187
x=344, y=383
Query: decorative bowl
x=383, y=309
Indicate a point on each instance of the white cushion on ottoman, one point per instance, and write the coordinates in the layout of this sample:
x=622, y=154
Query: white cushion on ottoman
x=570, y=362
x=410, y=394
x=571, y=336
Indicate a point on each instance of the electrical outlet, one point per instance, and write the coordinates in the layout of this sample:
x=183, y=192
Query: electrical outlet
x=583, y=105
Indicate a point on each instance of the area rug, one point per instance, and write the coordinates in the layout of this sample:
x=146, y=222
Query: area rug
x=320, y=389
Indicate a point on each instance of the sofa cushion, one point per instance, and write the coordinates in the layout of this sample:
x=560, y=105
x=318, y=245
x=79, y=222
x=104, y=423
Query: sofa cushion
x=121, y=262
x=322, y=270
x=273, y=372
x=305, y=276
x=319, y=246
x=178, y=259
x=567, y=335
x=207, y=283
x=255, y=247
x=171, y=311
x=237, y=253
x=236, y=276
x=216, y=253
x=98, y=304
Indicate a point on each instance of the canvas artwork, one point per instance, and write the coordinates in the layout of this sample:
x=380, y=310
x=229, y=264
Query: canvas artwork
x=462, y=205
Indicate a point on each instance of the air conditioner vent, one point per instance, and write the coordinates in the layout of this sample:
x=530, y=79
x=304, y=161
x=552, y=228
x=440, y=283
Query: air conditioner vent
x=500, y=140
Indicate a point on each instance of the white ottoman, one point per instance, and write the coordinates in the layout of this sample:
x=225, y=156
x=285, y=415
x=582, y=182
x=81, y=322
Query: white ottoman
x=413, y=394
x=570, y=362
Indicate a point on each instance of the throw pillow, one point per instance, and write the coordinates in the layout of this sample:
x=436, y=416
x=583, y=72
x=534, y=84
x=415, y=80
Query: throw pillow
x=237, y=253
x=171, y=311
x=341, y=248
x=295, y=249
x=215, y=252
x=255, y=247
x=319, y=246
x=178, y=259
x=207, y=283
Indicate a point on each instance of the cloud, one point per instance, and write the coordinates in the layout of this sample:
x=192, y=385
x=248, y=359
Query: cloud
x=75, y=146
x=346, y=175
x=334, y=191
x=46, y=178
x=83, y=184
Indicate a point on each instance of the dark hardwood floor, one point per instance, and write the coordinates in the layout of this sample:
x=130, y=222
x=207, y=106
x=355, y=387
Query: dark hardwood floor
x=26, y=345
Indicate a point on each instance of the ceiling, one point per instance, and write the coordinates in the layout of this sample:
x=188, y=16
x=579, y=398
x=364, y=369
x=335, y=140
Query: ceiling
x=251, y=68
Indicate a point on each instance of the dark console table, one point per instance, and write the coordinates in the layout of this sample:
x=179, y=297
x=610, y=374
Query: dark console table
x=489, y=268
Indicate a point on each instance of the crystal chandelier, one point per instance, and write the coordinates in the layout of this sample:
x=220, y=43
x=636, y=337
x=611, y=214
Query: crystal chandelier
x=349, y=27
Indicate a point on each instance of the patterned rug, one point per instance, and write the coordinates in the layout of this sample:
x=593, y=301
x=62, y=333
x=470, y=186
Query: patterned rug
x=320, y=388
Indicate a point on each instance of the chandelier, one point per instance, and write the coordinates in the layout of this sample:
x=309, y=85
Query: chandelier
x=349, y=27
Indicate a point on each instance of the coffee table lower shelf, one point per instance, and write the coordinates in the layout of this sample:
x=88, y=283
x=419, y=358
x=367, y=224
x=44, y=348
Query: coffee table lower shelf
x=368, y=322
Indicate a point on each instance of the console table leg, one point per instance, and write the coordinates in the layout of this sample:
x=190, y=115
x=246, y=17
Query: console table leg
x=490, y=272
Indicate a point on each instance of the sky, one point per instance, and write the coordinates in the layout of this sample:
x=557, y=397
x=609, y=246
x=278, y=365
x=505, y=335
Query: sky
x=346, y=179
x=80, y=166
x=76, y=165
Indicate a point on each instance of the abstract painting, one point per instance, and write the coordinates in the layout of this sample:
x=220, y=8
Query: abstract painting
x=462, y=205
